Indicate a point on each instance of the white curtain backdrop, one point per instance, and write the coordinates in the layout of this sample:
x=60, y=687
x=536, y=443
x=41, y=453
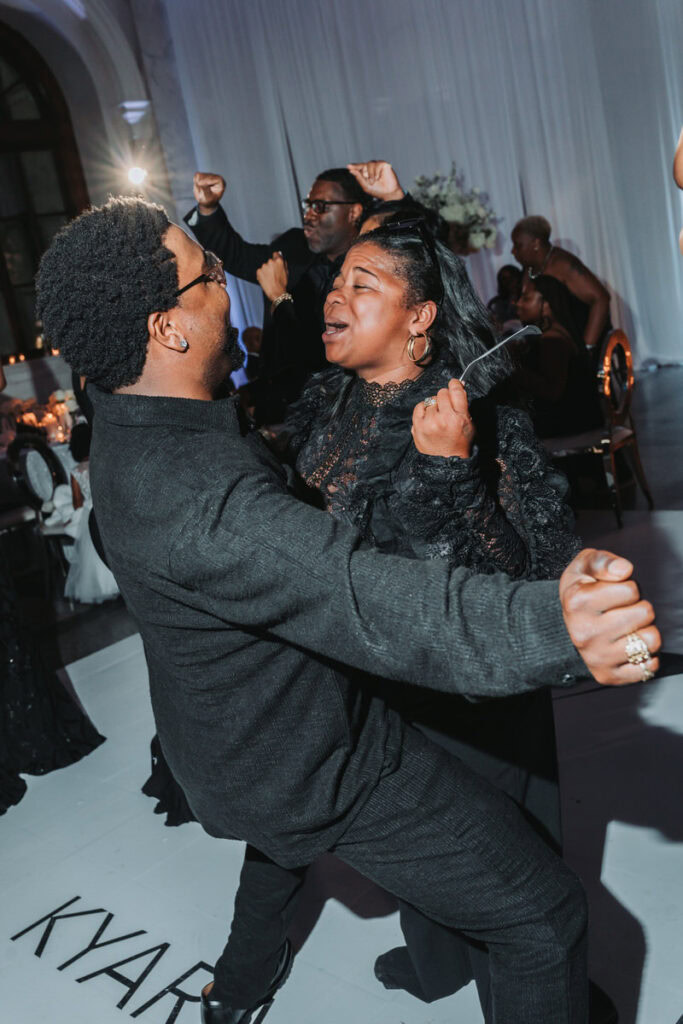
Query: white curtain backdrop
x=570, y=110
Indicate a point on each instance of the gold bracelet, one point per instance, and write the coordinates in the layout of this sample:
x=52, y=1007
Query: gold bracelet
x=285, y=297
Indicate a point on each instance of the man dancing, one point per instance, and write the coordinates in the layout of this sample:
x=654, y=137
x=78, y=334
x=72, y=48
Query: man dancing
x=263, y=621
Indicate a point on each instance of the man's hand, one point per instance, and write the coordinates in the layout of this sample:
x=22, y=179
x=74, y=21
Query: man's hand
x=601, y=606
x=378, y=179
x=444, y=427
x=208, y=191
x=272, y=276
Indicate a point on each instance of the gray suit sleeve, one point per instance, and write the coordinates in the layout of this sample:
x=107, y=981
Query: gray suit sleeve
x=260, y=560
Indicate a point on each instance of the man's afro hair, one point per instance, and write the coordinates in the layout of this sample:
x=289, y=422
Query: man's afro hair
x=97, y=284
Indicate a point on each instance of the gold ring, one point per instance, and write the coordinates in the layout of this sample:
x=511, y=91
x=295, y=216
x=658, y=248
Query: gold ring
x=429, y=401
x=637, y=651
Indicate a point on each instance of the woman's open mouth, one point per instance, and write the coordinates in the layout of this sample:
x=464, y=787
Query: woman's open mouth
x=333, y=328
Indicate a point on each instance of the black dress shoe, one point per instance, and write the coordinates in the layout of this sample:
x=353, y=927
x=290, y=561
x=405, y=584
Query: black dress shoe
x=214, y=1011
x=601, y=1008
x=395, y=970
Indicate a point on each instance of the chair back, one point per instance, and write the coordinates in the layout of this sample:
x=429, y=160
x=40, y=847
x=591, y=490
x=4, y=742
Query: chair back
x=35, y=468
x=615, y=379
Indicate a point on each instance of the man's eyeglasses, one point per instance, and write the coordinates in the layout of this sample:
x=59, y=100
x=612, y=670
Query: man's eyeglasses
x=214, y=272
x=322, y=205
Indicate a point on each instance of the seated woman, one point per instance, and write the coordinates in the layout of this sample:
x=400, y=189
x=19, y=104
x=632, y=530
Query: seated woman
x=553, y=369
x=402, y=319
x=503, y=306
x=589, y=299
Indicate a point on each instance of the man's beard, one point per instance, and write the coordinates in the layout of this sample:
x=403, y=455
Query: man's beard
x=232, y=349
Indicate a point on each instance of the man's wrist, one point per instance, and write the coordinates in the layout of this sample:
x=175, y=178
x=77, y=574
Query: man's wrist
x=206, y=211
x=282, y=297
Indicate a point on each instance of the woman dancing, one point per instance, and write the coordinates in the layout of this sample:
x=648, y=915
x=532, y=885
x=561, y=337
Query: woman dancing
x=401, y=321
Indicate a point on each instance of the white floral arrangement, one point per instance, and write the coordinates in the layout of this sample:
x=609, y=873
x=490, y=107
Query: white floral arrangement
x=475, y=225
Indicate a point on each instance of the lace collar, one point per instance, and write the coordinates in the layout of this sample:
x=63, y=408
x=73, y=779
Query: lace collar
x=377, y=395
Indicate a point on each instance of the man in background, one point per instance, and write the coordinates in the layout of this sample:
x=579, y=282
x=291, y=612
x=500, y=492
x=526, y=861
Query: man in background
x=295, y=284
x=295, y=271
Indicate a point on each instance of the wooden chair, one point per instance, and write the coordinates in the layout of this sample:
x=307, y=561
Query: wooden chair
x=615, y=381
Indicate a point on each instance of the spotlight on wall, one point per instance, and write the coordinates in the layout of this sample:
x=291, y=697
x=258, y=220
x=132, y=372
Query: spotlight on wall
x=137, y=175
x=134, y=113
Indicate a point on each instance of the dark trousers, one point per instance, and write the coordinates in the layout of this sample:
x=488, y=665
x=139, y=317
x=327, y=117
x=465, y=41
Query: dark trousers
x=510, y=742
x=449, y=843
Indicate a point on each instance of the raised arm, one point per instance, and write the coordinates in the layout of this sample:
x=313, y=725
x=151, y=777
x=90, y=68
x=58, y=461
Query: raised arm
x=378, y=178
x=274, y=567
x=586, y=286
x=214, y=231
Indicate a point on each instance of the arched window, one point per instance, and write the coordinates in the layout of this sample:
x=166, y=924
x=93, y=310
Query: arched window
x=41, y=182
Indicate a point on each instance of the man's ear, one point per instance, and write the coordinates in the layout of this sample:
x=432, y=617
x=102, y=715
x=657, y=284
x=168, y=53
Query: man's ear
x=355, y=213
x=425, y=315
x=164, y=331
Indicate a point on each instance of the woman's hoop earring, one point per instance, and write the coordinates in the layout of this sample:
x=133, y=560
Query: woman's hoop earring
x=419, y=360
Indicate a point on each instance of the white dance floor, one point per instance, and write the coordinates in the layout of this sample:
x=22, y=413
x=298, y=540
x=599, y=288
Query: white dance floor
x=153, y=903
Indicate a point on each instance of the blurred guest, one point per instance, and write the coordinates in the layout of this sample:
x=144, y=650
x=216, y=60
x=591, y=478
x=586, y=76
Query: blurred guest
x=678, y=176
x=678, y=162
x=247, y=379
x=310, y=259
x=589, y=304
x=251, y=339
x=553, y=368
x=41, y=726
x=89, y=580
x=81, y=396
x=503, y=306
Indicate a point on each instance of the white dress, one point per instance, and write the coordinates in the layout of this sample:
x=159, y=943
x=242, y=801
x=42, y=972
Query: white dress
x=89, y=580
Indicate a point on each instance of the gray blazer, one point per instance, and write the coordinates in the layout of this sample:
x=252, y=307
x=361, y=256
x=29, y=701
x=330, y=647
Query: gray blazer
x=264, y=620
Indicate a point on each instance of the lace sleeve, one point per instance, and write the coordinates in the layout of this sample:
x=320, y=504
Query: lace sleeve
x=502, y=510
x=533, y=494
x=447, y=511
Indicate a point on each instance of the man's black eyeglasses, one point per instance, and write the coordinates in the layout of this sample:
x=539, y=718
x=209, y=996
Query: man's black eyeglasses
x=214, y=272
x=321, y=205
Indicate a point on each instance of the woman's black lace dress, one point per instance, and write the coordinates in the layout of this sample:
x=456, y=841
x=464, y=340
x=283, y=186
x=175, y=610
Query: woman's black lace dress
x=41, y=727
x=501, y=510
